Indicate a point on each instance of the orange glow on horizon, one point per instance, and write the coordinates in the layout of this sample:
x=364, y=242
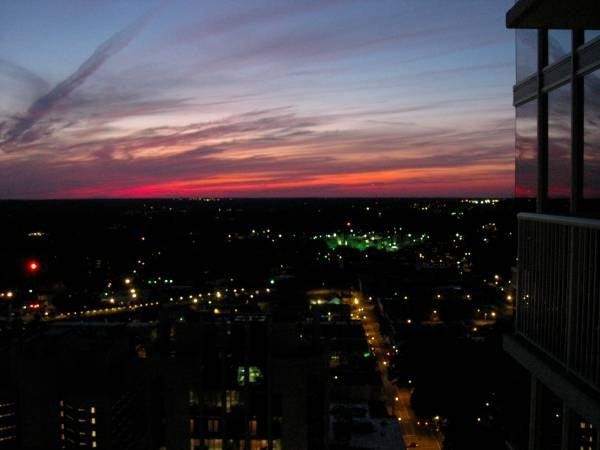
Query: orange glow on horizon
x=393, y=182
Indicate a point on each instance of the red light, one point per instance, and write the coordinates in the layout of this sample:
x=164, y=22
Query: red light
x=33, y=266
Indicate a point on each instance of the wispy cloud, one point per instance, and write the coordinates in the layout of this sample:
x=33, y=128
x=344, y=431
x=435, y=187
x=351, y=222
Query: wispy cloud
x=19, y=73
x=315, y=97
x=270, y=147
x=21, y=130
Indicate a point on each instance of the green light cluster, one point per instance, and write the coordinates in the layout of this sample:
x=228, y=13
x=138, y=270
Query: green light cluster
x=256, y=375
x=362, y=243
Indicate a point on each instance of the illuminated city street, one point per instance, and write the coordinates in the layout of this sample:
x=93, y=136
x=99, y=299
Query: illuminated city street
x=397, y=399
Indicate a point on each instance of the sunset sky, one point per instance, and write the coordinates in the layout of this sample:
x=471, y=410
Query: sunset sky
x=253, y=98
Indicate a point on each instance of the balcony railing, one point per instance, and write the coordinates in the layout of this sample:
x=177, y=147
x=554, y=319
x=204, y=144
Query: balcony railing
x=558, y=294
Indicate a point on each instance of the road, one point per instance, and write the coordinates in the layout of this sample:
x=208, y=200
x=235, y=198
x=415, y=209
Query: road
x=397, y=399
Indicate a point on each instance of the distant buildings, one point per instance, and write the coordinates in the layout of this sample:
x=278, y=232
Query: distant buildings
x=196, y=378
x=240, y=381
x=557, y=331
x=194, y=381
x=76, y=386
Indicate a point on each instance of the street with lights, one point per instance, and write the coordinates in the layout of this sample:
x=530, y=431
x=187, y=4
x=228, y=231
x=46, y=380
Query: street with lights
x=397, y=399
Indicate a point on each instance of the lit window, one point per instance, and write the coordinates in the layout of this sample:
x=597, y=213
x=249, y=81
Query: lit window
x=256, y=375
x=258, y=444
x=232, y=398
x=213, y=425
x=252, y=427
x=213, y=444
x=93, y=420
x=93, y=410
x=334, y=361
x=193, y=401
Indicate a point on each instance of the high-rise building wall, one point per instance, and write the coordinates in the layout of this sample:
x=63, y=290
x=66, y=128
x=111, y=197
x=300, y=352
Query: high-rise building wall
x=557, y=326
x=231, y=383
x=77, y=386
x=8, y=422
x=191, y=380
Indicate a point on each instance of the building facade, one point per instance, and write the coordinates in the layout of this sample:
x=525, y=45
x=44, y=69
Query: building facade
x=557, y=326
x=191, y=380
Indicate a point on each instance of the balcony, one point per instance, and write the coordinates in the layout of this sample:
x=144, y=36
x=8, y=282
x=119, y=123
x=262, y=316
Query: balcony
x=558, y=292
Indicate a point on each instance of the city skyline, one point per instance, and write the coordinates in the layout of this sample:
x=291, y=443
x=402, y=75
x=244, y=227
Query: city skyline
x=328, y=98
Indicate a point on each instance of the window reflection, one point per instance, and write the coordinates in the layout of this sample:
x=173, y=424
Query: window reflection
x=591, y=130
x=559, y=142
x=526, y=151
x=526, y=53
x=559, y=45
x=591, y=34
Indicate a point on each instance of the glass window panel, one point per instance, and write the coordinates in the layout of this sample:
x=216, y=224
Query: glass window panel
x=591, y=136
x=213, y=444
x=526, y=151
x=232, y=399
x=213, y=425
x=193, y=398
x=591, y=34
x=526, y=53
x=212, y=399
x=252, y=427
x=256, y=375
x=559, y=142
x=559, y=45
x=259, y=444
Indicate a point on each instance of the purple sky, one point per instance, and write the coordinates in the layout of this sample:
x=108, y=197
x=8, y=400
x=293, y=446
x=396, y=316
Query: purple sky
x=255, y=98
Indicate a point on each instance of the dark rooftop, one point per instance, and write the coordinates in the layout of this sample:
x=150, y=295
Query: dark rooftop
x=571, y=14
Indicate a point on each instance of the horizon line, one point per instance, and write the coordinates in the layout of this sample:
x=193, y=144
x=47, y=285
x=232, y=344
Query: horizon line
x=67, y=199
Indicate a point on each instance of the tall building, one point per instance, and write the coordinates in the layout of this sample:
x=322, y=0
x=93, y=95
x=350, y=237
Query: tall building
x=557, y=326
x=197, y=380
x=74, y=386
x=239, y=381
x=8, y=421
